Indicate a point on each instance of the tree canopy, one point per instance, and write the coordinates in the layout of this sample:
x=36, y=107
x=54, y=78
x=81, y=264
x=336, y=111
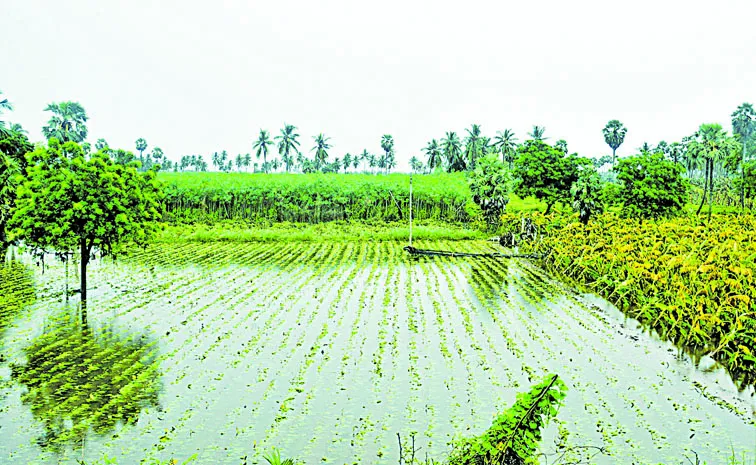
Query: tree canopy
x=651, y=186
x=68, y=203
x=545, y=172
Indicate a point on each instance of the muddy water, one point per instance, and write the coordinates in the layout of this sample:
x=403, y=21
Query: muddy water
x=327, y=351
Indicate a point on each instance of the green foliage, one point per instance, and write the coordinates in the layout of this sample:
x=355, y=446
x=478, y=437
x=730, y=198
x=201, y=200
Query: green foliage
x=489, y=184
x=66, y=200
x=68, y=123
x=546, y=172
x=514, y=436
x=274, y=458
x=13, y=149
x=651, y=186
x=17, y=291
x=692, y=284
x=313, y=198
x=614, y=136
x=586, y=194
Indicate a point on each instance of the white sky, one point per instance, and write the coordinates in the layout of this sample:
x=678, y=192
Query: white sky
x=197, y=77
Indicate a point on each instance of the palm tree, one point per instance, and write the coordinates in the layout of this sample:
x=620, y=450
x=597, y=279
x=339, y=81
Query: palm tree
x=17, y=128
x=247, y=161
x=451, y=147
x=387, y=144
x=261, y=146
x=433, y=152
x=537, y=133
x=676, y=151
x=506, y=143
x=356, y=160
x=287, y=141
x=744, y=126
x=645, y=149
x=614, y=136
x=347, y=161
x=561, y=144
x=365, y=156
x=473, y=147
x=712, y=145
x=141, y=146
x=157, y=154
x=321, y=150
x=415, y=164
x=67, y=123
x=101, y=144
x=4, y=105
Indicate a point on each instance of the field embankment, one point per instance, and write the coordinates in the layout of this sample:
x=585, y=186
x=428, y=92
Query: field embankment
x=692, y=283
x=314, y=198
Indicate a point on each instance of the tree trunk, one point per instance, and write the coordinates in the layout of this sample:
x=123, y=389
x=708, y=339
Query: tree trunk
x=614, y=156
x=711, y=185
x=84, y=263
x=703, y=196
x=742, y=177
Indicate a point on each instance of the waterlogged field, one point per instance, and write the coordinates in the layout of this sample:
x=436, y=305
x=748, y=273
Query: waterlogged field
x=327, y=351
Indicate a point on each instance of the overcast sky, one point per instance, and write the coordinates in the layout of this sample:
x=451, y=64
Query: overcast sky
x=196, y=77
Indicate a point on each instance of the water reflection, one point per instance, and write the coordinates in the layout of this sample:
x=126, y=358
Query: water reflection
x=79, y=381
x=16, y=292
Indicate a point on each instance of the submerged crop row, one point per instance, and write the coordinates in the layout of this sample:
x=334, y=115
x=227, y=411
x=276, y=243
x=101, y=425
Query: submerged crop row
x=326, y=351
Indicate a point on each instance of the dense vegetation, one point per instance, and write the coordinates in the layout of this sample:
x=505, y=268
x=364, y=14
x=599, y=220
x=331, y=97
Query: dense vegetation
x=313, y=198
x=691, y=283
x=688, y=278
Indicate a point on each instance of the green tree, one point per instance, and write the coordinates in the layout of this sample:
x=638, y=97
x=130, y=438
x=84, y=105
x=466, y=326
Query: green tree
x=676, y=151
x=357, y=159
x=651, y=186
x=387, y=144
x=68, y=203
x=347, y=161
x=141, y=146
x=712, y=145
x=68, y=122
x=287, y=142
x=261, y=146
x=101, y=144
x=13, y=149
x=545, y=172
x=321, y=148
x=4, y=105
x=489, y=184
x=506, y=143
x=614, y=136
x=452, y=149
x=561, y=144
x=537, y=133
x=157, y=154
x=586, y=194
x=433, y=152
x=473, y=146
x=744, y=127
x=415, y=164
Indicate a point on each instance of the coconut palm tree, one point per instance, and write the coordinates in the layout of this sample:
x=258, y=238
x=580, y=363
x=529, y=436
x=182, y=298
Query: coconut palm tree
x=451, y=147
x=287, y=142
x=712, y=145
x=67, y=123
x=744, y=126
x=537, y=133
x=473, y=142
x=17, y=128
x=157, y=154
x=614, y=136
x=433, y=152
x=321, y=150
x=347, y=161
x=356, y=160
x=506, y=143
x=261, y=146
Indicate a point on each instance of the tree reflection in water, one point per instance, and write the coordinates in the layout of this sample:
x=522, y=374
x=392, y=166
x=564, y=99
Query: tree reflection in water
x=81, y=382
